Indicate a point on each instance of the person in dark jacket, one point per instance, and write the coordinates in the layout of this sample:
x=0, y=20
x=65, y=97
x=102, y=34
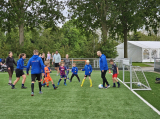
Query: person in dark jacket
x=9, y=62
x=103, y=67
x=19, y=71
x=37, y=67
x=67, y=63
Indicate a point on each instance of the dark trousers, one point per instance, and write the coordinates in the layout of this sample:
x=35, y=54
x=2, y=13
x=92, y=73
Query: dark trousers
x=73, y=76
x=10, y=72
x=103, y=76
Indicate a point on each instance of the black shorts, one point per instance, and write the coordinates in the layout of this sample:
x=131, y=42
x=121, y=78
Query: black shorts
x=87, y=75
x=35, y=77
x=56, y=64
x=19, y=73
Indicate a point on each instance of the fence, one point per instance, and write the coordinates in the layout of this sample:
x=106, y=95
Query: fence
x=157, y=64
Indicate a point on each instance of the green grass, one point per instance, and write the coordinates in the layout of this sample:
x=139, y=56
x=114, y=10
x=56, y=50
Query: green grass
x=71, y=101
x=140, y=64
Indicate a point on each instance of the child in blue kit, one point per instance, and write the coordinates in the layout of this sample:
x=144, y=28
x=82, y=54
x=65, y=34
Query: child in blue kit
x=88, y=71
x=74, y=72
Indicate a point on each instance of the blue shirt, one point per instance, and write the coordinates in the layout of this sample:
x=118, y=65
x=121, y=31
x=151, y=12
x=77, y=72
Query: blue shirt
x=114, y=68
x=103, y=63
x=74, y=70
x=20, y=64
x=0, y=60
x=87, y=69
x=37, y=65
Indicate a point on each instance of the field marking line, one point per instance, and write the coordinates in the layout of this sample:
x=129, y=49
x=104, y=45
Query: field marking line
x=151, y=106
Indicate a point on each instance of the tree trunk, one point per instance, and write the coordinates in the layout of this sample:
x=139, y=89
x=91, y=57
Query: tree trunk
x=21, y=34
x=104, y=31
x=125, y=43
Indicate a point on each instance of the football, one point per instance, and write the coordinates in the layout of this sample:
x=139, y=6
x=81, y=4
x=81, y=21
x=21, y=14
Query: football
x=139, y=84
x=100, y=86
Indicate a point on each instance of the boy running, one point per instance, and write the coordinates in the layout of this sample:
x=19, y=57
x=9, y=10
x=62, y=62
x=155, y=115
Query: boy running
x=48, y=78
x=19, y=71
x=37, y=65
x=115, y=73
x=74, y=72
x=62, y=70
x=88, y=71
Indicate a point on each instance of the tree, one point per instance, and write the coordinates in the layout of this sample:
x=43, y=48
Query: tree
x=30, y=14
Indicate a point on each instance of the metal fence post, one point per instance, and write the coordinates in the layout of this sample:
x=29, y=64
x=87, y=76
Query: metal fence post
x=123, y=73
x=131, y=77
x=94, y=64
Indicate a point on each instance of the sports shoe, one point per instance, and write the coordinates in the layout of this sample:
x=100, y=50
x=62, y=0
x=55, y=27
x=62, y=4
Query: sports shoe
x=108, y=86
x=40, y=92
x=81, y=85
x=55, y=88
x=58, y=83
x=113, y=86
x=104, y=87
x=119, y=85
x=91, y=86
x=13, y=88
x=57, y=75
x=23, y=87
x=32, y=94
x=47, y=86
x=10, y=84
x=65, y=84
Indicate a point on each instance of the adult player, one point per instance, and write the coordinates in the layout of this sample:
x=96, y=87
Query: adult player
x=67, y=63
x=103, y=67
x=57, y=61
x=37, y=66
x=9, y=62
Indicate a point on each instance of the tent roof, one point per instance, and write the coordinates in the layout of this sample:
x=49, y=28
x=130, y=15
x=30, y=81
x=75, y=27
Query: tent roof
x=146, y=44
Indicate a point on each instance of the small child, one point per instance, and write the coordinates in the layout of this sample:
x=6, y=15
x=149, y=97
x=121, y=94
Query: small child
x=48, y=78
x=115, y=73
x=74, y=72
x=62, y=70
x=88, y=71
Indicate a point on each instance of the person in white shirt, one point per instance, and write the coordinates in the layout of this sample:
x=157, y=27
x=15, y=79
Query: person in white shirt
x=57, y=61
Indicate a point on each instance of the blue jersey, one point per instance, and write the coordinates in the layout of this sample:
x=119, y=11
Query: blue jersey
x=114, y=68
x=103, y=63
x=74, y=70
x=20, y=64
x=37, y=65
x=87, y=69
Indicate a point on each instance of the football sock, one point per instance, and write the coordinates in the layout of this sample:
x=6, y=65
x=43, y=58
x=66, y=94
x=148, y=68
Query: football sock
x=59, y=81
x=82, y=82
x=114, y=84
x=22, y=84
x=47, y=84
x=39, y=86
x=64, y=81
x=13, y=85
x=90, y=82
x=32, y=87
x=118, y=83
x=53, y=85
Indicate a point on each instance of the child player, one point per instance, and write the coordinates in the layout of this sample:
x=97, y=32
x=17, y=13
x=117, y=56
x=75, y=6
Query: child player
x=74, y=72
x=88, y=71
x=48, y=78
x=19, y=71
x=115, y=73
x=62, y=70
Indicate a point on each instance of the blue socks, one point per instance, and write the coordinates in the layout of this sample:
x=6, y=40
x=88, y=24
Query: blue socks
x=64, y=81
x=114, y=84
x=59, y=81
x=53, y=85
x=118, y=83
x=22, y=84
x=12, y=85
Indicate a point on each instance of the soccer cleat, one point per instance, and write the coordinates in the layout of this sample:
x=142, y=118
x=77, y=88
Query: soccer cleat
x=40, y=92
x=55, y=88
x=32, y=94
x=113, y=86
x=47, y=86
x=65, y=84
x=58, y=83
x=13, y=88
x=23, y=87
x=119, y=85
x=81, y=85
x=91, y=86
x=104, y=87
x=108, y=86
x=10, y=84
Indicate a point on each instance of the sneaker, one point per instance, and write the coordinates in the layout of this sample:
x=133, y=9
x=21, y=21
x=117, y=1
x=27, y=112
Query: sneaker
x=65, y=84
x=91, y=86
x=32, y=94
x=108, y=86
x=81, y=85
x=10, y=84
x=113, y=86
x=23, y=87
x=48, y=86
x=13, y=88
x=119, y=85
x=104, y=87
x=40, y=92
x=55, y=88
x=58, y=83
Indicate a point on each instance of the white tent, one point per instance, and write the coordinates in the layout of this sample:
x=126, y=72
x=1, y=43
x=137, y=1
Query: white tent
x=140, y=51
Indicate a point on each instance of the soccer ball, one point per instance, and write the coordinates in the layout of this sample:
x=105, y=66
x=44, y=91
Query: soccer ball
x=139, y=84
x=100, y=86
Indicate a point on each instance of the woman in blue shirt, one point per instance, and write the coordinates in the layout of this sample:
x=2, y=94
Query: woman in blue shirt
x=19, y=71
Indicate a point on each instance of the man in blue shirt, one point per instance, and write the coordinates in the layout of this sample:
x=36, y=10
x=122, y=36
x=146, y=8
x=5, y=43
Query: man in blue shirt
x=103, y=67
x=37, y=66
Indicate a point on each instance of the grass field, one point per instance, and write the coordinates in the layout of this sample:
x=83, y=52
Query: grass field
x=140, y=64
x=71, y=101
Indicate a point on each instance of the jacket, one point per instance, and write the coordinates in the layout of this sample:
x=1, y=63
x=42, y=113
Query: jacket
x=103, y=63
x=10, y=61
x=20, y=64
x=74, y=70
x=87, y=69
x=37, y=65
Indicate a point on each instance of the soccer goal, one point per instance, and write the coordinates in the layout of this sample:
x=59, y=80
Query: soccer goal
x=133, y=76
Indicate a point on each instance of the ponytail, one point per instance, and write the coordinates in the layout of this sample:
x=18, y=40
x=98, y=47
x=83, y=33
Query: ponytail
x=21, y=55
